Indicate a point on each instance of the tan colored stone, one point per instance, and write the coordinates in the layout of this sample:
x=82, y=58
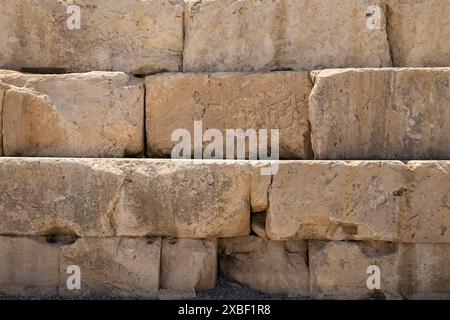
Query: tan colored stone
x=188, y=264
x=228, y=35
x=106, y=197
x=428, y=217
x=113, y=267
x=96, y=114
x=28, y=267
x=260, y=186
x=190, y=199
x=265, y=265
x=334, y=200
x=356, y=200
x=47, y=196
x=419, y=32
x=277, y=100
x=381, y=114
x=338, y=270
x=259, y=224
x=134, y=36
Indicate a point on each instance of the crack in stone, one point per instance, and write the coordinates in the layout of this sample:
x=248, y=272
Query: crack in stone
x=388, y=33
x=2, y=113
x=109, y=215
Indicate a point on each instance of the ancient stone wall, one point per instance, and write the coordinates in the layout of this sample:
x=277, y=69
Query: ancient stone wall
x=97, y=95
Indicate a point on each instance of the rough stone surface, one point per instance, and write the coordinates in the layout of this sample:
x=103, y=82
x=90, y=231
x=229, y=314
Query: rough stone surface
x=426, y=217
x=277, y=100
x=95, y=114
x=334, y=200
x=106, y=197
x=134, y=36
x=338, y=270
x=28, y=267
x=228, y=35
x=113, y=267
x=188, y=264
x=259, y=224
x=419, y=31
x=260, y=186
x=381, y=114
x=265, y=265
x=356, y=200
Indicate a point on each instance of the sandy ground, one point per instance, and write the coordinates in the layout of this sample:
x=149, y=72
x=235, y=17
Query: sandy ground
x=226, y=290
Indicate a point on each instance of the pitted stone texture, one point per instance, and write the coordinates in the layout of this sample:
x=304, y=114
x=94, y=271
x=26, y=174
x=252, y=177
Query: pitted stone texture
x=186, y=199
x=277, y=100
x=334, y=200
x=355, y=200
x=28, y=267
x=113, y=267
x=338, y=270
x=106, y=197
x=188, y=264
x=381, y=114
x=134, y=36
x=419, y=32
x=426, y=217
x=96, y=114
x=265, y=265
x=228, y=35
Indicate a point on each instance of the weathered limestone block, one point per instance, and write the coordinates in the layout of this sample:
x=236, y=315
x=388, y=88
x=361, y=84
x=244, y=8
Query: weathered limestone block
x=338, y=270
x=135, y=36
x=355, y=200
x=248, y=35
x=277, y=100
x=188, y=264
x=29, y=267
x=96, y=114
x=107, y=197
x=419, y=32
x=47, y=196
x=381, y=114
x=265, y=265
x=186, y=199
x=334, y=200
x=113, y=267
x=428, y=216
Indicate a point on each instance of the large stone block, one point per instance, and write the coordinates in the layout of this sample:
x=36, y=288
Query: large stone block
x=339, y=270
x=96, y=114
x=265, y=265
x=426, y=217
x=381, y=114
x=419, y=32
x=277, y=100
x=134, y=36
x=355, y=200
x=188, y=264
x=107, y=197
x=333, y=200
x=228, y=35
x=29, y=267
x=112, y=267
